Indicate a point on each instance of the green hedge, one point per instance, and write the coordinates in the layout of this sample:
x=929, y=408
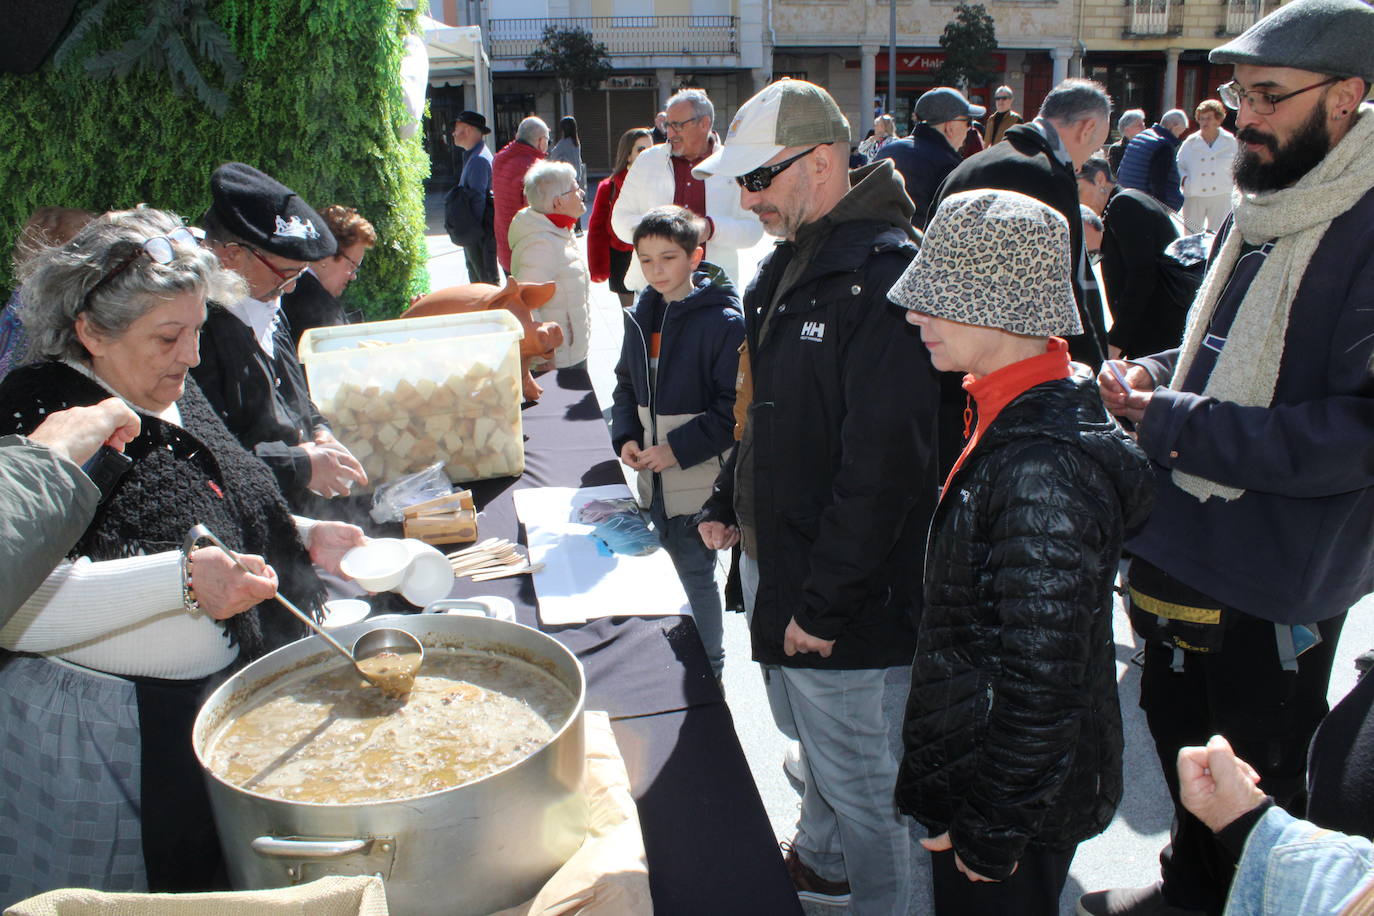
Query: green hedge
x=318, y=107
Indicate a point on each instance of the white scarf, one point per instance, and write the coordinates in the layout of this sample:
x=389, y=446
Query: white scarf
x=1296, y=218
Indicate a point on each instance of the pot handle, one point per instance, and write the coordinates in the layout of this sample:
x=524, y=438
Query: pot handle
x=294, y=848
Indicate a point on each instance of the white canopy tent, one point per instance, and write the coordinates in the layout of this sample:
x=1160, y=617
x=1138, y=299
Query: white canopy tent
x=457, y=58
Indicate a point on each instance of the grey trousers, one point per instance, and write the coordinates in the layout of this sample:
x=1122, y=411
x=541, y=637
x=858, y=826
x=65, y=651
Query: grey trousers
x=849, y=827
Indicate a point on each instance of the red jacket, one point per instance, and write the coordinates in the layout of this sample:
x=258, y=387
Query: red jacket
x=601, y=238
x=508, y=169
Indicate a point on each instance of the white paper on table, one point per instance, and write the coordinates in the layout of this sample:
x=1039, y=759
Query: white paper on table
x=577, y=583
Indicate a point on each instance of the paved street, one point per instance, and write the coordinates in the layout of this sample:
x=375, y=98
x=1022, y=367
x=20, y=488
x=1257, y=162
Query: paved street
x=1122, y=856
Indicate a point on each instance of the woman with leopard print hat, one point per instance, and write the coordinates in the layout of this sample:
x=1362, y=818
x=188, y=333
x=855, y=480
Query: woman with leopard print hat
x=1013, y=729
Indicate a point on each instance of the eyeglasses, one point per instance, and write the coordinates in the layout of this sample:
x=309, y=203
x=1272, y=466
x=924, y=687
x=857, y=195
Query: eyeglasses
x=357, y=265
x=678, y=125
x=761, y=177
x=1262, y=103
x=161, y=249
x=286, y=278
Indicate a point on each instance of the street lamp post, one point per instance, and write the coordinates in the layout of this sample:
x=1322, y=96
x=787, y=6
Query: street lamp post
x=891, y=57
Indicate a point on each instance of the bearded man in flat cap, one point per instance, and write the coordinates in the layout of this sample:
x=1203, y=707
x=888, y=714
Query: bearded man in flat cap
x=1261, y=431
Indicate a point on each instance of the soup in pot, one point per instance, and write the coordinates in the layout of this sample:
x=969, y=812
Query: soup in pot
x=318, y=737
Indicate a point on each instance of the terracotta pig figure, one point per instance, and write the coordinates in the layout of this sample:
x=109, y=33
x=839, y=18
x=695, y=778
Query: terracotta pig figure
x=520, y=299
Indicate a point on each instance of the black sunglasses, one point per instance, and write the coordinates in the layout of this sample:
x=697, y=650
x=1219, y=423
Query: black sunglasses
x=761, y=177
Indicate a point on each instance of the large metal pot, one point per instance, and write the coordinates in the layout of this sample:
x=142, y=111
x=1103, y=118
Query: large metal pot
x=472, y=849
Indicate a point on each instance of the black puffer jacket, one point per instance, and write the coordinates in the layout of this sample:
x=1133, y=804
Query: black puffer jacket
x=1013, y=729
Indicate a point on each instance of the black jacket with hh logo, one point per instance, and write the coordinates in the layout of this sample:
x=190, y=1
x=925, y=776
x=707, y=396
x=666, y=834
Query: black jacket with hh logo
x=833, y=482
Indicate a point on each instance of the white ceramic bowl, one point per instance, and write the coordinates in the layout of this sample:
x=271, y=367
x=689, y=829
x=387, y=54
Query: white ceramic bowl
x=430, y=576
x=341, y=612
x=378, y=565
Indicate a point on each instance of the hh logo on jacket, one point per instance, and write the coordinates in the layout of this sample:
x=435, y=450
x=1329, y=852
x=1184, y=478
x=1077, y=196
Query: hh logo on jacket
x=813, y=331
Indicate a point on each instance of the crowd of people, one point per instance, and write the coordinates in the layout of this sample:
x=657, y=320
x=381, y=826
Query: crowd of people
x=1052, y=267
x=954, y=395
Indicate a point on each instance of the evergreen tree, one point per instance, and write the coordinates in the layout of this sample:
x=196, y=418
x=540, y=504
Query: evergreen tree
x=576, y=58
x=969, y=41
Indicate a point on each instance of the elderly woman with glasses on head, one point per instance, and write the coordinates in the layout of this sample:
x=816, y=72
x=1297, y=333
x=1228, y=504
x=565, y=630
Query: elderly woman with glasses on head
x=544, y=248
x=104, y=666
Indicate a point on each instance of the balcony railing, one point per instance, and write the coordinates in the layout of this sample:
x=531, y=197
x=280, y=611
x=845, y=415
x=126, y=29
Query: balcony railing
x=1241, y=14
x=1149, y=17
x=624, y=36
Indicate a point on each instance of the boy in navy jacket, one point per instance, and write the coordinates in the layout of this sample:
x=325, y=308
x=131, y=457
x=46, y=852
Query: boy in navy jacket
x=673, y=415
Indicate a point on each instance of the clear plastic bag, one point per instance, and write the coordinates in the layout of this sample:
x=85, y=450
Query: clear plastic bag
x=394, y=497
x=624, y=533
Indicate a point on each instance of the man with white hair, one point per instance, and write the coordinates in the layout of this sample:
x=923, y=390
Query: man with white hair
x=508, y=170
x=1001, y=118
x=662, y=175
x=1150, y=163
x=1128, y=125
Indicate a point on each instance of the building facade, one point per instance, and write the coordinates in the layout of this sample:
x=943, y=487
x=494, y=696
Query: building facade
x=656, y=48
x=1151, y=54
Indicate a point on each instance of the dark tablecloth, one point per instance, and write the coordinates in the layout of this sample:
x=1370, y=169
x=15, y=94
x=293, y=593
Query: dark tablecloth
x=710, y=846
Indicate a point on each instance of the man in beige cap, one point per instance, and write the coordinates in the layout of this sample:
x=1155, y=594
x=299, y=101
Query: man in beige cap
x=832, y=485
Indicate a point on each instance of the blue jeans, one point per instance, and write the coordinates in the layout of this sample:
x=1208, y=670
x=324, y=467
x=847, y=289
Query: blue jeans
x=849, y=828
x=696, y=569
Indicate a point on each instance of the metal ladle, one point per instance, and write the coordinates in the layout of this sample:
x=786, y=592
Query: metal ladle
x=373, y=642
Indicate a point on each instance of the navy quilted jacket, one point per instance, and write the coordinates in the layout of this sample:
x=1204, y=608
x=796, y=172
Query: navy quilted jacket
x=1149, y=165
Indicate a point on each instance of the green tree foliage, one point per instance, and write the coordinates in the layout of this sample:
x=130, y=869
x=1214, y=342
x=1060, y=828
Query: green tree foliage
x=162, y=44
x=969, y=40
x=319, y=106
x=577, y=60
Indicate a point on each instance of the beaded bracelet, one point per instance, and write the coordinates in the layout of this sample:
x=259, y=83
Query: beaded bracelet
x=188, y=593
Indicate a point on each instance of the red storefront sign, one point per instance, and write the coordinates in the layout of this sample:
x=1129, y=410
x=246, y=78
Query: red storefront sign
x=925, y=62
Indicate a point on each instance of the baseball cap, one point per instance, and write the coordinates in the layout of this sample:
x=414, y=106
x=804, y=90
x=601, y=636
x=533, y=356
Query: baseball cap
x=786, y=113
x=943, y=104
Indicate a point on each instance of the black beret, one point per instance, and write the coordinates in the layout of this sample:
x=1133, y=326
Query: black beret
x=267, y=214
x=1325, y=36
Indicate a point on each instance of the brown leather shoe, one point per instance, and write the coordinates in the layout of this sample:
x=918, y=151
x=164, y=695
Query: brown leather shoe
x=811, y=886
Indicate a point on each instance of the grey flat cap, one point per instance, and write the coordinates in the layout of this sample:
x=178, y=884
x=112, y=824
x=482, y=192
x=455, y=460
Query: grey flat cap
x=1334, y=37
x=941, y=104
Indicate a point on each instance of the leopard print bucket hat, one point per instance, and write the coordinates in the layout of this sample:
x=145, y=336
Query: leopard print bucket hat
x=994, y=259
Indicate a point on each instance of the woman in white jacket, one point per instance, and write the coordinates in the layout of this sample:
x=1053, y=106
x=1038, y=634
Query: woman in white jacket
x=543, y=248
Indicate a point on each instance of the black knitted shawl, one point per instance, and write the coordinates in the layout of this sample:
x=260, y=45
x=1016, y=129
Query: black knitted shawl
x=181, y=476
